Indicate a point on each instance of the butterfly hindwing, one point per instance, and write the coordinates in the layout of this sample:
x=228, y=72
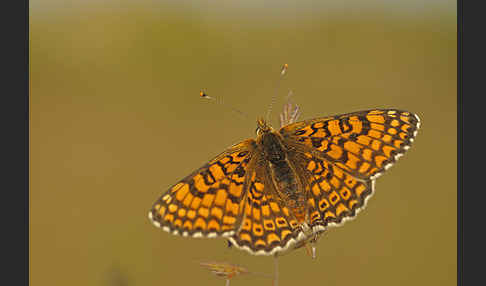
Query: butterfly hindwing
x=209, y=201
x=268, y=225
x=334, y=196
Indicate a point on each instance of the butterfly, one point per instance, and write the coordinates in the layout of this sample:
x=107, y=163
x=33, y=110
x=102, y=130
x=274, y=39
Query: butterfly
x=285, y=187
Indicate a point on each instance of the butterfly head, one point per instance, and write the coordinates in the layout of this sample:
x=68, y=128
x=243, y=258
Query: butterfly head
x=262, y=127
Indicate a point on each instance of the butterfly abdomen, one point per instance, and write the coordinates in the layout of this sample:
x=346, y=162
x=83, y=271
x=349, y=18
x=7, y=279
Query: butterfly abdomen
x=283, y=176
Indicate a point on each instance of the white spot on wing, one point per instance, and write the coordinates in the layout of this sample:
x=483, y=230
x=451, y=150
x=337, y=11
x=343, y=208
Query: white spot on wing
x=228, y=233
x=375, y=176
x=418, y=118
x=151, y=218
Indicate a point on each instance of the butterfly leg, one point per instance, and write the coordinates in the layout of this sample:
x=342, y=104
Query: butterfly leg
x=309, y=250
x=313, y=243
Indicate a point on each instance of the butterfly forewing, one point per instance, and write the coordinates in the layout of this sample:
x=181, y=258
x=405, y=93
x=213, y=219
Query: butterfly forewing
x=209, y=201
x=363, y=144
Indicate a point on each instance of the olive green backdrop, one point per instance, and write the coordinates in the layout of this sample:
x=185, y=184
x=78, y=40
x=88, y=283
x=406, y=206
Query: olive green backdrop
x=116, y=119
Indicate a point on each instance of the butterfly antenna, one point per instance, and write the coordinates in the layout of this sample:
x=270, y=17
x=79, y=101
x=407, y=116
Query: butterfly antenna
x=220, y=101
x=283, y=71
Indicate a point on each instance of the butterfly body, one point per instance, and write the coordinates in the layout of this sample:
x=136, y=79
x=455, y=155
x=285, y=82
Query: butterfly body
x=275, y=158
x=273, y=193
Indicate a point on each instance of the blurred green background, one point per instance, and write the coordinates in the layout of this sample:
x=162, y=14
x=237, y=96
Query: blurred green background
x=116, y=119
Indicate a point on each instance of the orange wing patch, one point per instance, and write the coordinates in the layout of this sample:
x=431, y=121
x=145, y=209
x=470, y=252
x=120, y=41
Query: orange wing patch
x=209, y=201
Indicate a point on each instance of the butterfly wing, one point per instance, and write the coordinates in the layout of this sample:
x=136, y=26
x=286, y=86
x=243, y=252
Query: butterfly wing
x=334, y=196
x=208, y=202
x=363, y=144
x=338, y=158
x=268, y=225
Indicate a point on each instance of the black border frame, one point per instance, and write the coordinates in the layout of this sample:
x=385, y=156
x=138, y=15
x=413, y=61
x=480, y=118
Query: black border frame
x=15, y=159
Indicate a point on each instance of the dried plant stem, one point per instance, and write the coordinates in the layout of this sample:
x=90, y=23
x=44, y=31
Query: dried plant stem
x=275, y=280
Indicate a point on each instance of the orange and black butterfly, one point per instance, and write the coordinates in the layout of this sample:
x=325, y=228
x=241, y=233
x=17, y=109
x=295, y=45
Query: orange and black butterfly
x=273, y=193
